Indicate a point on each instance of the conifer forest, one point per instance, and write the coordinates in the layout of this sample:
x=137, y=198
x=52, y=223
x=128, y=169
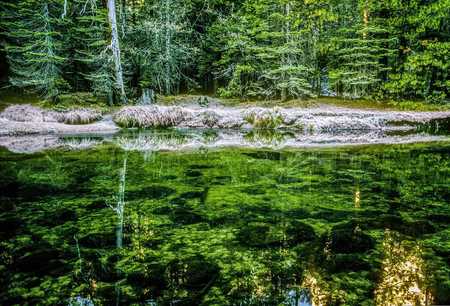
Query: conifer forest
x=254, y=49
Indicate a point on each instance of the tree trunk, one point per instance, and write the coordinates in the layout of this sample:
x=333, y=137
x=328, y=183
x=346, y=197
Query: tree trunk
x=115, y=47
x=286, y=59
x=366, y=18
x=168, y=33
x=64, y=14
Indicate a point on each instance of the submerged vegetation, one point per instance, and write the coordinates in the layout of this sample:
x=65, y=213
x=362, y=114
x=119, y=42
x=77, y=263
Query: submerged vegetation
x=353, y=226
x=253, y=49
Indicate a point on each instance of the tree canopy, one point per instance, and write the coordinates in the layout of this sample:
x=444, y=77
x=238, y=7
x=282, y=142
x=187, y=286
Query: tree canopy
x=277, y=49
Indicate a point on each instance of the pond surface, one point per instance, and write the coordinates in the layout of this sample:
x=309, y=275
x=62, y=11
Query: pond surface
x=365, y=225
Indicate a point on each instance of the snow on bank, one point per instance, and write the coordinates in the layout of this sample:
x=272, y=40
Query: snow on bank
x=324, y=118
x=29, y=113
x=15, y=128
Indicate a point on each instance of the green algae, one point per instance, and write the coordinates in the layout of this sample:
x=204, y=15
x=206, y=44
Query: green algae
x=222, y=227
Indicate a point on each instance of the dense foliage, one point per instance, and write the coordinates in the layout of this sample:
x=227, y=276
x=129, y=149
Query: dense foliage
x=249, y=49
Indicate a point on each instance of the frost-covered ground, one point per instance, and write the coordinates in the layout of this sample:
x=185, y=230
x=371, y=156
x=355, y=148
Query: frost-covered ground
x=26, y=128
x=322, y=118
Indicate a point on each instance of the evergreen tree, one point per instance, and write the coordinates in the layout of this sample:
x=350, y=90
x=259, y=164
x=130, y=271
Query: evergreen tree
x=92, y=54
x=291, y=74
x=160, y=45
x=360, y=48
x=250, y=49
x=34, y=47
x=421, y=67
x=268, y=53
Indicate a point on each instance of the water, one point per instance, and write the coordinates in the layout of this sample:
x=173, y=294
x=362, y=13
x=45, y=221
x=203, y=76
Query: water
x=359, y=225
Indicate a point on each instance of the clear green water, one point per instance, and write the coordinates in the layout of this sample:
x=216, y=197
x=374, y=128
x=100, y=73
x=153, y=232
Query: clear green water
x=350, y=226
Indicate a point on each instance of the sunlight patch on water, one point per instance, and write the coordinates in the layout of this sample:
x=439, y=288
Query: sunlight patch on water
x=403, y=279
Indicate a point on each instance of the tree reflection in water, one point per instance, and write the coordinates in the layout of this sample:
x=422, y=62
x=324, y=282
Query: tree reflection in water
x=404, y=278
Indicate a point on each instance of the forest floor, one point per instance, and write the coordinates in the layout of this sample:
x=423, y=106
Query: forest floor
x=8, y=97
x=313, y=102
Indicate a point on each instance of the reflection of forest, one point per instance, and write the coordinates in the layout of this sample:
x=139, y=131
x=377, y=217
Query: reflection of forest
x=191, y=140
x=247, y=227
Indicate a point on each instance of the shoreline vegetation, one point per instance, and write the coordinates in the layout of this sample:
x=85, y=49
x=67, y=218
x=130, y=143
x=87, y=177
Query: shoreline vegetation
x=202, y=112
x=88, y=100
x=29, y=124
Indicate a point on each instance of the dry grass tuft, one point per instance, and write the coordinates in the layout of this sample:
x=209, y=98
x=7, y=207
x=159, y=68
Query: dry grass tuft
x=264, y=118
x=149, y=116
x=210, y=119
x=27, y=113
x=78, y=116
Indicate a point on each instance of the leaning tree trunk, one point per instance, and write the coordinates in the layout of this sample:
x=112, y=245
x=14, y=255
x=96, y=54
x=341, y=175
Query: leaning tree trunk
x=115, y=47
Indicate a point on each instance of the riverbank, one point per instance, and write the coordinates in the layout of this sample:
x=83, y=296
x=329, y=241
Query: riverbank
x=29, y=129
x=28, y=119
x=22, y=119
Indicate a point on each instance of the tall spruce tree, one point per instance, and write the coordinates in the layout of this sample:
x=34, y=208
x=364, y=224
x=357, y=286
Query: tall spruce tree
x=268, y=53
x=360, y=47
x=33, y=46
x=91, y=39
x=290, y=75
x=421, y=66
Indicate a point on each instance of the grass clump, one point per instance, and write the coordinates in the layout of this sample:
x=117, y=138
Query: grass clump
x=148, y=116
x=30, y=113
x=79, y=116
x=26, y=113
x=264, y=118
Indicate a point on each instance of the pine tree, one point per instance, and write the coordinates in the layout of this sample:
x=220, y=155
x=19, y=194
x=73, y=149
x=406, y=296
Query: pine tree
x=291, y=75
x=33, y=46
x=359, y=51
x=92, y=54
x=269, y=53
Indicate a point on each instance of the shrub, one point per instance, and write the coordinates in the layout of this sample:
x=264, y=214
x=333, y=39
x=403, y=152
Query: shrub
x=148, y=116
x=264, y=118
